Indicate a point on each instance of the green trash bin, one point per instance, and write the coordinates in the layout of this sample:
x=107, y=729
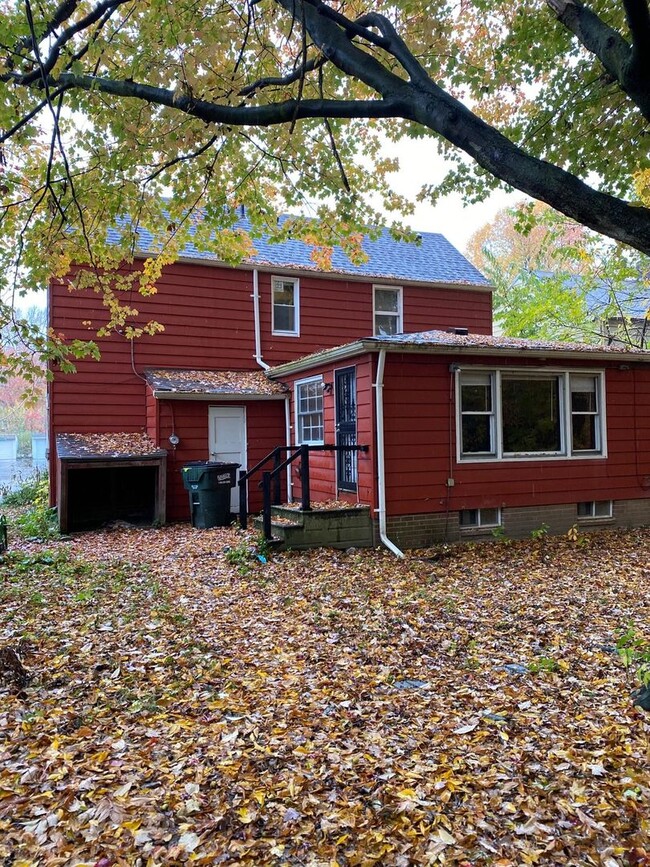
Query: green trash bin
x=209, y=484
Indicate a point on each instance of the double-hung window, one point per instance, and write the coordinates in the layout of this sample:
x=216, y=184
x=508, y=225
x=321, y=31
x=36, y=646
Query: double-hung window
x=286, y=307
x=309, y=411
x=477, y=413
x=387, y=309
x=519, y=414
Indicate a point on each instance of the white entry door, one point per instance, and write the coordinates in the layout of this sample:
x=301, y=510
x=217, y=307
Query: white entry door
x=227, y=440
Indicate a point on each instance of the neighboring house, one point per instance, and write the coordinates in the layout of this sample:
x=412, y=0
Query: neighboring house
x=465, y=432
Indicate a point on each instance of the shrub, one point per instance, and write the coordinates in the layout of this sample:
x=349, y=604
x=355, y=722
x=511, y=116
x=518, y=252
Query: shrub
x=40, y=521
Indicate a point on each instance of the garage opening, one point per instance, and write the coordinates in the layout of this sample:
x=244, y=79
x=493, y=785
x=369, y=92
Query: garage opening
x=95, y=488
x=99, y=496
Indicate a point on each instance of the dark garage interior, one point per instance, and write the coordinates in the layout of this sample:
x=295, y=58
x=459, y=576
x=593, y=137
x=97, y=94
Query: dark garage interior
x=102, y=478
x=99, y=496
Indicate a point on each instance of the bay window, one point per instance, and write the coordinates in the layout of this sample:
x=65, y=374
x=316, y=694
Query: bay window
x=517, y=414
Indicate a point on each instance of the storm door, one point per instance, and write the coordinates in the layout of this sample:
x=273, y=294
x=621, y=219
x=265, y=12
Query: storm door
x=345, y=389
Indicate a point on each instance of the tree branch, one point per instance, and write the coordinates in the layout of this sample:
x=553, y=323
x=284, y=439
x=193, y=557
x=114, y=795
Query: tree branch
x=622, y=61
x=430, y=105
x=48, y=64
x=299, y=72
x=212, y=112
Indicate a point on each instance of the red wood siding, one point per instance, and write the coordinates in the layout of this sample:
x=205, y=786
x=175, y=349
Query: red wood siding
x=208, y=317
x=419, y=408
x=322, y=465
x=189, y=420
x=334, y=312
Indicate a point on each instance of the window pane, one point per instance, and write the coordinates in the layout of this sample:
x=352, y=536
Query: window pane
x=531, y=416
x=387, y=300
x=476, y=398
x=283, y=293
x=386, y=324
x=469, y=518
x=476, y=431
x=489, y=517
x=284, y=318
x=603, y=509
x=583, y=394
x=584, y=433
x=585, y=510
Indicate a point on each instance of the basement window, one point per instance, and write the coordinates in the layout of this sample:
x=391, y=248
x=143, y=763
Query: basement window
x=479, y=519
x=594, y=510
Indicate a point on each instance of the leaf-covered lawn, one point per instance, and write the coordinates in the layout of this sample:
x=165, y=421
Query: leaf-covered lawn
x=325, y=708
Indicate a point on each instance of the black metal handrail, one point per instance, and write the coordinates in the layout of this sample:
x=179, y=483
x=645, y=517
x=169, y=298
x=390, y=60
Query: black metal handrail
x=271, y=480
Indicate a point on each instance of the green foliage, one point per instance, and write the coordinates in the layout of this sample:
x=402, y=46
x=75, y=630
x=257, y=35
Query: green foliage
x=540, y=533
x=155, y=109
x=28, y=491
x=554, y=280
x=246, y=555
x=499, y=534
x=543, y=663
x=634, y=649
x=40, y=521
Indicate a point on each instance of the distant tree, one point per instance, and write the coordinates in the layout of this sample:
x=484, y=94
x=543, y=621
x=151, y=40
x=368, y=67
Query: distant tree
x=556, y=280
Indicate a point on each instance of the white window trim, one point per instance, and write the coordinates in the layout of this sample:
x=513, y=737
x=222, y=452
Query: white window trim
x=400, y=307
x=594, y=518
x=565, y=428
x=296, y=414
x=296, y=300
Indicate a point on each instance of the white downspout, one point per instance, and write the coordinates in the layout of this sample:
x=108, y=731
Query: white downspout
x=256, y=315
x=287, y=423
x=381, y=465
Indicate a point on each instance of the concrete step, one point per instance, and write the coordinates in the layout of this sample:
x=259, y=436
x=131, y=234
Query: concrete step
x=320, y=528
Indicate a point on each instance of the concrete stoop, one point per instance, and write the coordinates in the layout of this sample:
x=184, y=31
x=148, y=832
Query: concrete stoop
x=320, y=528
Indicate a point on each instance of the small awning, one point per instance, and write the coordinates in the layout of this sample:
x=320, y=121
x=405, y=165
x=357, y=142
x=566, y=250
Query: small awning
x=179, y=384
x=106, y=446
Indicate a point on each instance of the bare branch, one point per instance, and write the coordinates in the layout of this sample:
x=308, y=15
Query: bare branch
x=49, y=63
x=299, y=72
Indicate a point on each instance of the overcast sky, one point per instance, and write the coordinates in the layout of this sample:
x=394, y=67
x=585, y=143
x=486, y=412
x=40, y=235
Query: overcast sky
x=419, y=165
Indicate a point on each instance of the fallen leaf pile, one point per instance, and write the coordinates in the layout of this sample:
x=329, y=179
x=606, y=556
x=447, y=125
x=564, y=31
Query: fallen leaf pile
x=322, y=708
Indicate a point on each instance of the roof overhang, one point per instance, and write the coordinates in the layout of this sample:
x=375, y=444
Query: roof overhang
x=360, y=347
x=161, y=394
x=349, y=277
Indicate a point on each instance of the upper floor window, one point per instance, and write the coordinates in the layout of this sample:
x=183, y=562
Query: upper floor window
x=511, y=414
x=286, y=308
x=309, y=411
x=387, y=310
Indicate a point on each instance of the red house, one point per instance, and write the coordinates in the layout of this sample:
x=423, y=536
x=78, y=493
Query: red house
x=442, y=430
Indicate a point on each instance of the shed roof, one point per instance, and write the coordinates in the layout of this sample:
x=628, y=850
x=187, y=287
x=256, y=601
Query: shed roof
x=178, y=383
x=433, y=260
x=445, y=342
x=99, y=446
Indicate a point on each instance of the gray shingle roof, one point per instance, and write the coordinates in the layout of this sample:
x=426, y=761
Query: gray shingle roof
x=433, y=260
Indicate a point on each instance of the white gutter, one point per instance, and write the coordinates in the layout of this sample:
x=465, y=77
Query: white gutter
x=381, y=467
x=256, y=315
x=287, y=425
